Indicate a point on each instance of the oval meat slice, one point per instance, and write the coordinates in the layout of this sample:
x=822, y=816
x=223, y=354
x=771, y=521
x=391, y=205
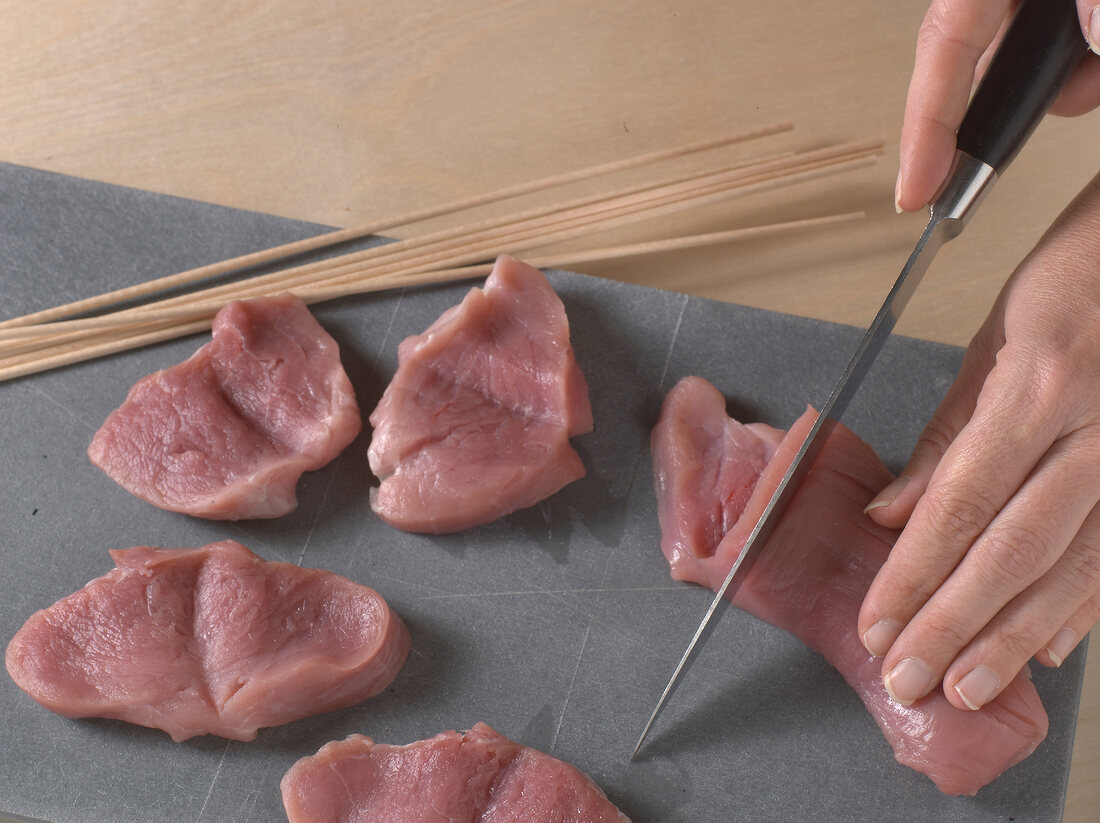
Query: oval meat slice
x=476, y=422
x=450, y=778
x=208, y=641
x=227, y=433
x=811, y=578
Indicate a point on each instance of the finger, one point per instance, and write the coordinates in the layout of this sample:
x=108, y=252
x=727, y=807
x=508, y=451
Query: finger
x=1065, y=640
x=893, y=506
x=995, y=43
x=952, y=37
x=1088, y=13
x=1062, y=604
x=983, y=467
x=1082, y=91
x=1023, y=546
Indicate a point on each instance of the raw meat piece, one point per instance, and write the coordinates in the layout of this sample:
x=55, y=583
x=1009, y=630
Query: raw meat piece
x=710, y=466
x=476, y=422
x=226, y=434
x=208, y=641
x=811, y=578
x=449, y=778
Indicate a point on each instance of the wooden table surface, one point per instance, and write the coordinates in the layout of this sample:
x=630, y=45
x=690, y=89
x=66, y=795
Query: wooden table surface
x=340, y=112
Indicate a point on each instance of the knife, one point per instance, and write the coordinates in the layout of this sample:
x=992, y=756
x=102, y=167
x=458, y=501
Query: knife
x=1041, y=47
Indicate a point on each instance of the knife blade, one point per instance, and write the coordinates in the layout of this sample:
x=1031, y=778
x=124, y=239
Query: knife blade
x=1041, y=47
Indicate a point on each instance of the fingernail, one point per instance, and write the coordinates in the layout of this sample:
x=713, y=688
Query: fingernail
x=887, y=495
x=881, y=636
x=909, y=681
x=1094, y=30
x=897, y=186
x=977, y=687
x=1063, y=642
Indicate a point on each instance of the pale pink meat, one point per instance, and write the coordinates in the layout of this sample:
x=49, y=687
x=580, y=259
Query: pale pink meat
x=477, y=777
x=811, y=578
x=208, y=641
x=227, y=433
x=476, y=422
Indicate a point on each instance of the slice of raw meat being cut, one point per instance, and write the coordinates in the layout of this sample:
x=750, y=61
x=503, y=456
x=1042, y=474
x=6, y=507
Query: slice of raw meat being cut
x=811, y=578
x=227, y=433
x=450, y=778
x=476, y=422
x=208, y=641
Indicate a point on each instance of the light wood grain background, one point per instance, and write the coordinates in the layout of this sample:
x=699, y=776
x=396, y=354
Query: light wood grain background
x=343, y=111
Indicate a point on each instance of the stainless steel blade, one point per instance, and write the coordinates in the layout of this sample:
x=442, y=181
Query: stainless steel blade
x=969, y=181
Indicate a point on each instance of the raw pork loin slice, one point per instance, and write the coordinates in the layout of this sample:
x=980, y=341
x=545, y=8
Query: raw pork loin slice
x=449, y=778
x=208, y=641
x=476, y=422
x=227, y=433
x=714, y=477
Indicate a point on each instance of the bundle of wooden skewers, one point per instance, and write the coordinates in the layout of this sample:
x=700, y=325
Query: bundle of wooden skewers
x=132, y=317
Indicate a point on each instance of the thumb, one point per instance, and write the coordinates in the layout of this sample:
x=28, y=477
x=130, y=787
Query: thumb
x=1082, y=91
x=893, y=505
x=1088, y=11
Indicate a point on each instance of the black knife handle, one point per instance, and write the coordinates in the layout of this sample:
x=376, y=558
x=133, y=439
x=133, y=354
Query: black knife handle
x=1041, y=48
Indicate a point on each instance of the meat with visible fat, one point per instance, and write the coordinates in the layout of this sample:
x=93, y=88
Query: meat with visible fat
x=476, y=422
x=212, y=640
x=819, y=563
x=227, y=433
x=450, y=778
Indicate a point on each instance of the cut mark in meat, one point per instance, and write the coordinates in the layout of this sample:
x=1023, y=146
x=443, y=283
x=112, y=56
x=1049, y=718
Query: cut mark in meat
x=458, y=778
x=208, y=641
x=476, y=422
x=226, y=434
x=811, y=577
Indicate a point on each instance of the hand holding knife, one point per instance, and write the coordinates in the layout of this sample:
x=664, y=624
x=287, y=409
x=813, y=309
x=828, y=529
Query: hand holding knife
x=1039, y=51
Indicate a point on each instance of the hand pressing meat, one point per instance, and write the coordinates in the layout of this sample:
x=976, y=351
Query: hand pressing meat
x=476, y=422
x=999, y=559
x=450, y=778
x=714, y=476
x=208, y=641
x=227, y=433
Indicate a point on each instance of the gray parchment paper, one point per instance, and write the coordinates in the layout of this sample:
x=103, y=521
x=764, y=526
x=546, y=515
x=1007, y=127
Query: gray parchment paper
x=558, y=626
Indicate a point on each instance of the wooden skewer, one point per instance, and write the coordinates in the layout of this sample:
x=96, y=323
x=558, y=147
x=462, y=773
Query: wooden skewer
x=316, y=294
x=575, y=226
x=598, y=216
x=329, y=239
x=446, y=237
x=366, y=281
x=167, y=325
x=460, y=236
x=434, y=257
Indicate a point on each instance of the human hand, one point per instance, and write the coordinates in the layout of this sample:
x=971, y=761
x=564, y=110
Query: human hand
x=954, y=44
x=999, y=559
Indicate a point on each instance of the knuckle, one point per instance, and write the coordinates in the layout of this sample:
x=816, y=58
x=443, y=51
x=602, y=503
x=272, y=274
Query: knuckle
x=1043, y=384
x=947, y=631
x=941, y=24
x=1017, y=553
x=1030, y=387
x=1019, y=643
x=935, y=438
x=1084, y=571
x=959, y=517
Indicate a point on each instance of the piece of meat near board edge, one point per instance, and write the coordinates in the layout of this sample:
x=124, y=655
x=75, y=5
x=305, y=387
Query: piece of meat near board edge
x=212, y=640
x=477, y=419
x=714, y=477
x=450, y=778
x=226, y=434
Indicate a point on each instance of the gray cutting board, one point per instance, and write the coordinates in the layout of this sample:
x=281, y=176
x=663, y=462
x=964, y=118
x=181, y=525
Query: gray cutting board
x=558, y=625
